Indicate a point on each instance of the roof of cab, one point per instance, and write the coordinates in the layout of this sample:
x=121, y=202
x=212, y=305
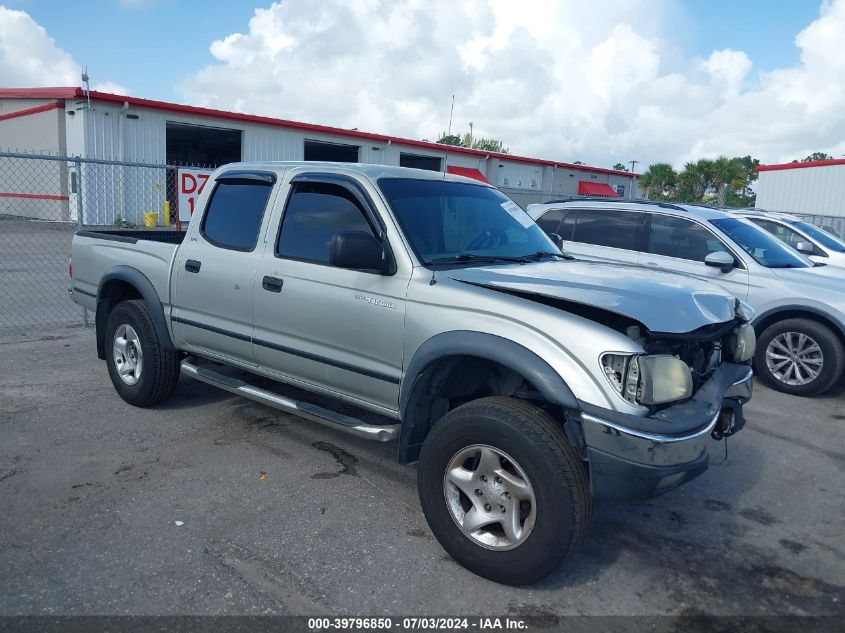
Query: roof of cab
x=368, y=170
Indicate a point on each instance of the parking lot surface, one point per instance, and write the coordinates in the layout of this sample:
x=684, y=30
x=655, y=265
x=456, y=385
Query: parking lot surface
x=210, y=504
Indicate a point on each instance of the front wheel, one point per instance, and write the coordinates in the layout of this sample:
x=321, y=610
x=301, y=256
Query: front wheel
x=800, y=357
x=143, y=373
x=503, y=491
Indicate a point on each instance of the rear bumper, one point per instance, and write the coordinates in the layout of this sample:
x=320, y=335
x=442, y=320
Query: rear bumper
x=638, y=458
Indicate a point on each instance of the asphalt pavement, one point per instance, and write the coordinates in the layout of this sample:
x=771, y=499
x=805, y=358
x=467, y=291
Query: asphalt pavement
x=210, y=504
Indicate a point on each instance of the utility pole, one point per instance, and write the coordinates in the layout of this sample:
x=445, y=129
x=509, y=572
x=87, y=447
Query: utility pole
x=631, y=192
x=470, y=133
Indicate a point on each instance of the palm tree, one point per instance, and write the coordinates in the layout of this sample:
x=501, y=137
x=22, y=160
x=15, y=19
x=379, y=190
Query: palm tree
x=658, y=181
x=695, y=180
x=727, y=172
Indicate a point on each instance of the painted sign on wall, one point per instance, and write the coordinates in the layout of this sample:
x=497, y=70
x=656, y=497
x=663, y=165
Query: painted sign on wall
x=190, y=184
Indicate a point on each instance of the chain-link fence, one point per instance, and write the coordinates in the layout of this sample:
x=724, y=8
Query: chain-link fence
x=43, y=201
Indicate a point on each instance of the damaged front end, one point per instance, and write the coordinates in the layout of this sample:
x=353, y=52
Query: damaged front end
x=694, y=386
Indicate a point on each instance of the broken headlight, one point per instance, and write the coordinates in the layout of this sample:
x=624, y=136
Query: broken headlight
x=742, y=343
x=648, y=380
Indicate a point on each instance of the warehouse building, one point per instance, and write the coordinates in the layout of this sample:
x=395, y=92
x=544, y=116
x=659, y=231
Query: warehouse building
x=71, y=122
x=814, y=188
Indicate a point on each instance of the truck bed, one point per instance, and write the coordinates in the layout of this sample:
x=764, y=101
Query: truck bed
x=132, y=236
x=96, y=253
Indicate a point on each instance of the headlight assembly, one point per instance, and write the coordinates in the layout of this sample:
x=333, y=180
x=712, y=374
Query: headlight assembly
x=648, y=380
x=742, y=343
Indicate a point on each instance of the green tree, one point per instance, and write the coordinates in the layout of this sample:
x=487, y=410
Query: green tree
x=696, y=180
x=486, y=145
x=658, y=182
x=727, y=173
x=620, y=167
x=481, y=143
x=816, y=156
x=450, y=139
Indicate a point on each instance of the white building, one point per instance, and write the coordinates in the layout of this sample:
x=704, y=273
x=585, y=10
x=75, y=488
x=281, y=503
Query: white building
x=812, y=188
x=60, y=121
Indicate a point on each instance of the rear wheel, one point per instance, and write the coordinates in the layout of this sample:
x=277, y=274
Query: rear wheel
x=503, y=490
x=142, y=373
x=800, y=357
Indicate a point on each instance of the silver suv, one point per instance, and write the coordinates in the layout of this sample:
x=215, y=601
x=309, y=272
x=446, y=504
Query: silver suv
x=800, y=307
x=808, y=239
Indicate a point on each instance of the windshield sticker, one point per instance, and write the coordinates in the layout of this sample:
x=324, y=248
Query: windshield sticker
x=517, y=213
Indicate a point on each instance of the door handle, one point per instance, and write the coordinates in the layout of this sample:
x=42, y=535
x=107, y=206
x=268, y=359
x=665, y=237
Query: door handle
x=273, y=284
x=192, y=265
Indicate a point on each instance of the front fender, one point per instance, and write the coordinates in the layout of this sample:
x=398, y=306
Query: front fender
x=416, y=410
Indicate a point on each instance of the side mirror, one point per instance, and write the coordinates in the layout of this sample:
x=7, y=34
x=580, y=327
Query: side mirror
x=805, y=247
x=557, y=239
x=357, y=250
x=720, y=259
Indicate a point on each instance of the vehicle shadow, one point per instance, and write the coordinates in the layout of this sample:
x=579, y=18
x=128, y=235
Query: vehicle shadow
x=192, y=393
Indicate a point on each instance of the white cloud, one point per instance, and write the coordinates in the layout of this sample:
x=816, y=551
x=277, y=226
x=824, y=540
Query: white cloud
x=30, y=57
x=558, y=79
x=110, y=87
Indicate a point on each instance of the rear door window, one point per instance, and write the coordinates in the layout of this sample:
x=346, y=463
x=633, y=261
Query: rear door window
x=607, y=227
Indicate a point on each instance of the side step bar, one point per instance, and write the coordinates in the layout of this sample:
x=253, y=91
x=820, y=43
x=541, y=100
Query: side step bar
x=305, y=410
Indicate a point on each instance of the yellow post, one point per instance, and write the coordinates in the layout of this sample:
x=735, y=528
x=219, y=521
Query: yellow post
x=167, y=213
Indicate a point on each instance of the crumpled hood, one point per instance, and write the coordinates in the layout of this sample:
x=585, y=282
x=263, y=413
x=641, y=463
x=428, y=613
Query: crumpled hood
x=663, y=302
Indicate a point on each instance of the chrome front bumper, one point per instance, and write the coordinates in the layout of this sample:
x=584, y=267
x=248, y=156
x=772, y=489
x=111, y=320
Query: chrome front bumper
x=628, y=462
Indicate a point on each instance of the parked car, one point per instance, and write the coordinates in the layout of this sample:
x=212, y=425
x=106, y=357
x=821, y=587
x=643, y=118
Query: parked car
x=800, y=307
x=817, y=244
x=412, y=305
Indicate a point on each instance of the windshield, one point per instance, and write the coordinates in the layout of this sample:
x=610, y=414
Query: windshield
x=462, y=222
x=821, y=236
x=766, y=249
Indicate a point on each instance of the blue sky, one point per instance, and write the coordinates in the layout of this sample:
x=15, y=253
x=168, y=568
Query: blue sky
x=601, y=81
x=152, y=45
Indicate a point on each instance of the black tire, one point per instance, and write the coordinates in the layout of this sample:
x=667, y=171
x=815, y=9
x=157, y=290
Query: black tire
x=552, y=466
x=832, y=354
x=160, y=371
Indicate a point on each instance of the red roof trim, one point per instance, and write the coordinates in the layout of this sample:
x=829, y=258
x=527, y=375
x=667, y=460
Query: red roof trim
x=596, y=189
x=42, y=108
x=467, y=172
x=809, y=163
x=78, y=93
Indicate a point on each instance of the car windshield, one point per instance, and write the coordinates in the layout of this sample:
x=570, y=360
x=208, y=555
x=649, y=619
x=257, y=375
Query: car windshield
x=765, y=248
x=463, y=223
x=821, y=236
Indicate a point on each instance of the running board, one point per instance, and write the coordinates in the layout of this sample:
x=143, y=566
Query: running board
x=305, y=410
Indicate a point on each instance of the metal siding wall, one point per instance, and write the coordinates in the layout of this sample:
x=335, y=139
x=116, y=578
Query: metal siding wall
x=812, y=190
x=519, y=175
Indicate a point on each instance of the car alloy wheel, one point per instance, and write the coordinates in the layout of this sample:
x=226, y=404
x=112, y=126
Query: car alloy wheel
x=489, y=497
x=128, y=357
x=794, y=358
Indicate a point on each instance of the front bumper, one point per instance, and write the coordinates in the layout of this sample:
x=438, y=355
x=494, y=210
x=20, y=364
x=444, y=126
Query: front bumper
x=635, y=458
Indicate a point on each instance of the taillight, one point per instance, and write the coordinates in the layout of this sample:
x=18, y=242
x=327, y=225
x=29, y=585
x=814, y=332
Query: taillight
x=70, y=267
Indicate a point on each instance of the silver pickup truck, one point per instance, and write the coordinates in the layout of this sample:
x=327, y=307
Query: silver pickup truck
x=411, y=305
